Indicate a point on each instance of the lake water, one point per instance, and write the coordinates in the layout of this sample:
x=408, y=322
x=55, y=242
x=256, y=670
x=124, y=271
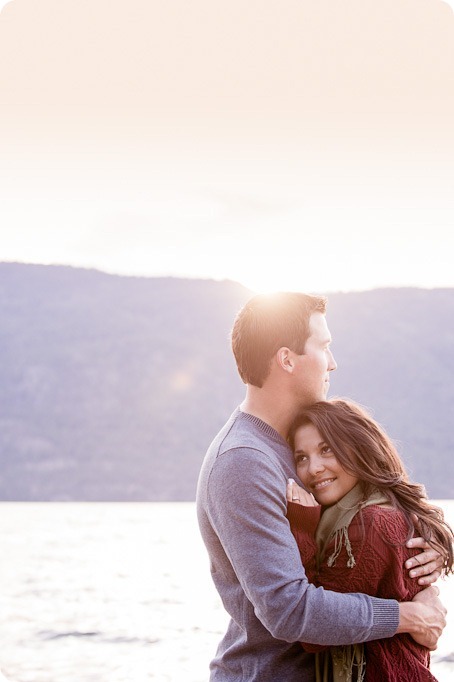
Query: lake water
x=118, y=593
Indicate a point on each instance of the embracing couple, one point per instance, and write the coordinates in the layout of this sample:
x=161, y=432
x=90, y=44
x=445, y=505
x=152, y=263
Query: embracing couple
x=329, y=588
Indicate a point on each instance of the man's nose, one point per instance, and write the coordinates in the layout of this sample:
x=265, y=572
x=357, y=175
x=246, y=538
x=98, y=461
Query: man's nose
x=332, y=362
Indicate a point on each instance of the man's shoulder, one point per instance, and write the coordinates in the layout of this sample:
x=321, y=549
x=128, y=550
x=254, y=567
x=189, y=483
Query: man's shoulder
x=239, y=455
x=240, y=433
x=241, y=445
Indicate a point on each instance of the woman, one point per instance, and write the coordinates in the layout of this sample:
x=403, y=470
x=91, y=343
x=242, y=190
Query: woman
x=355, y=542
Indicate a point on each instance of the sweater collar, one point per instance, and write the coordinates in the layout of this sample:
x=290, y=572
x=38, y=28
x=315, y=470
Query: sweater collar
x=263, y=427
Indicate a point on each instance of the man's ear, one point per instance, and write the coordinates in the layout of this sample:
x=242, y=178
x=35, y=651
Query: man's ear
x=285, y=359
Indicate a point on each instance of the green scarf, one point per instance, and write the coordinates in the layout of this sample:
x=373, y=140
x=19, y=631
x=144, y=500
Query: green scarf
x=339, y=663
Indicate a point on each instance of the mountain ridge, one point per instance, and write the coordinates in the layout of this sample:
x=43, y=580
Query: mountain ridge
x=111, y=387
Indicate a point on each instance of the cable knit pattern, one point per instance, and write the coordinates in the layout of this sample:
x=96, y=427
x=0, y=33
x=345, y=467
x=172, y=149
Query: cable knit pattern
x=377, y=536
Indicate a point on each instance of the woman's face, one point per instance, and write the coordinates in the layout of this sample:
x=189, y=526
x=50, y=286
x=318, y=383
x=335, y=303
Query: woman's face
x=319, y=469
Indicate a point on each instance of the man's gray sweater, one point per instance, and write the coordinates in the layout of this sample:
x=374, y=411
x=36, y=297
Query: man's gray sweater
x=256, y=565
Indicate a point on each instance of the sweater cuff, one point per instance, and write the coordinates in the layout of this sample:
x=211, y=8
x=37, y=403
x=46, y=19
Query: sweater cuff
x=303, y=518
x=386, y=618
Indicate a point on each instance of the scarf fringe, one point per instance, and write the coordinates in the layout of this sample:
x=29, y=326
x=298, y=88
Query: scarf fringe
x=341, y=664
x=341, y=539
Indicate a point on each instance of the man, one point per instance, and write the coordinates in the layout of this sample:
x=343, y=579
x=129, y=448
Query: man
x=281, y=345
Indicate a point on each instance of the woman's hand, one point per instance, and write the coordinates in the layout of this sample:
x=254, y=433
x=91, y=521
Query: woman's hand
x=298, y=495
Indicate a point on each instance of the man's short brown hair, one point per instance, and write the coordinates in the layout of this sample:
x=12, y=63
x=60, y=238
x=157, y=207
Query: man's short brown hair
x=267, y=323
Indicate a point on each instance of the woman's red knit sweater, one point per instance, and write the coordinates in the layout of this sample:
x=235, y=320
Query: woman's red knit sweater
x=377, y=536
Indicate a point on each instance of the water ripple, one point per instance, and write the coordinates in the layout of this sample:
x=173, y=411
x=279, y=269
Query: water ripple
x=98, y=636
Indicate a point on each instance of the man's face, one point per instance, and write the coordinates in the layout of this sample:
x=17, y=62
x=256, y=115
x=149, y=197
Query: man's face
x=314, y=366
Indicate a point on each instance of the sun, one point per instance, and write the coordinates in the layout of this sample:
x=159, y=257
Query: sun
x=277, y=271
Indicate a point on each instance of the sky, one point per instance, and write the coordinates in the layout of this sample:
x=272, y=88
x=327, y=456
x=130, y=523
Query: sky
x=293, y=145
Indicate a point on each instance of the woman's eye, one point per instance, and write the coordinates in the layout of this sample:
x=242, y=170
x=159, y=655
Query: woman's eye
x=326, y=450
x=300, y=459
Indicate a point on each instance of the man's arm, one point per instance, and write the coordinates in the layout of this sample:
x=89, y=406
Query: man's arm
x=246, y=507
x=424, y=618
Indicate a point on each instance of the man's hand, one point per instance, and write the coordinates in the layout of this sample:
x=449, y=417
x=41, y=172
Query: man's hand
x=427, y=564
x=424, y=618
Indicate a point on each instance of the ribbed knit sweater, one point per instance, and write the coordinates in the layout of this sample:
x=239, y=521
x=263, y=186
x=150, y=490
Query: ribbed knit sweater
x=256, y=565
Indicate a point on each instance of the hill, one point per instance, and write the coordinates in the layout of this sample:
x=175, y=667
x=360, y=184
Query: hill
x=112, y=387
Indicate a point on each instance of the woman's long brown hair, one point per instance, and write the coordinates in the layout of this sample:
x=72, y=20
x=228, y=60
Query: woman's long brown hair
x=364, y=450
